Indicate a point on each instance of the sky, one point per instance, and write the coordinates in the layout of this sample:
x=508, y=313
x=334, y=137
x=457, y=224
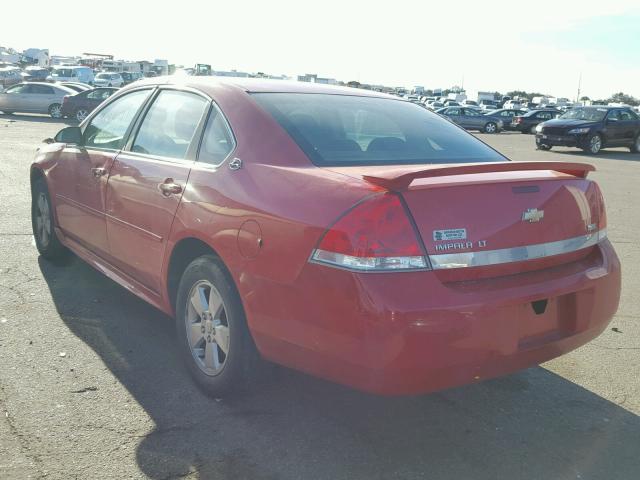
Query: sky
x=543, y=46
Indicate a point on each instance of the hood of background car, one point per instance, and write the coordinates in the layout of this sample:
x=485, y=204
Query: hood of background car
x=568, y=122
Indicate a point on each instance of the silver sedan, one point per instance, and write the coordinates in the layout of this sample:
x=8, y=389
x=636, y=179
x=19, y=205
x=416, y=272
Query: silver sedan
x=34, y=97
x=472, y=119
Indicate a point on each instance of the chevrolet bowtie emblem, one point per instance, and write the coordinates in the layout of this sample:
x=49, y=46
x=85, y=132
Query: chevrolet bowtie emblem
x=532, y=215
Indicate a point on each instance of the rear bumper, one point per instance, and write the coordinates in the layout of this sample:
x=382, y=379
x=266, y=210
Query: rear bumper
x=411, y=333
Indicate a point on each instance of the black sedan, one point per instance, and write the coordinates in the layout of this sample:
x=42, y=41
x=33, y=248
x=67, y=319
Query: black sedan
x=506, y=115
x=528, y=122
x=591, y=129
x=78, y=106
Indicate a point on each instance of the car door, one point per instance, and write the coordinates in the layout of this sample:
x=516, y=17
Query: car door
x=614, y=128
x=41, y=97
x=455, y=115
x=80, y=177
x=627, y=126
x=147, y=181
x=472, y=119
x=14, y=98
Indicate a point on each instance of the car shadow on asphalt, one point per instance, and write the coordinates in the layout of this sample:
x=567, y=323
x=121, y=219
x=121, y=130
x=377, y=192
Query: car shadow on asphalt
x=533, y=425
x=27, y=118
x=603, y=155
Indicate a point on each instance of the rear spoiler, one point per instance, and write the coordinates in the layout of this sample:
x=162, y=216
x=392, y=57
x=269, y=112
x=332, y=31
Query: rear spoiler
x=401, y=178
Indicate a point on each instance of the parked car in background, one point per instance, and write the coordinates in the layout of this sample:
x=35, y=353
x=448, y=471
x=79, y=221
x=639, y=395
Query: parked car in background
x=35, y=74
x=130, y=77
x=434, y=105
x=472, y=119
x=108, y=79
x=527, y=122
x=450, y=103
x=489, y=104
x=81, y=104
x=78, y=87
x=591, y=129
x=355, y=260
x=9, y=76
x=505, y=115
x=512, y=105
x=34, y=97
x=71, y=73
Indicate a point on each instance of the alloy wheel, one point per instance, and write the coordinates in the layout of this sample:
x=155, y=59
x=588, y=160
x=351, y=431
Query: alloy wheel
x=81, y=114
x=43, y=219
x=207, y=328
x=55, y=111
x=595, y=144
x=490, y=128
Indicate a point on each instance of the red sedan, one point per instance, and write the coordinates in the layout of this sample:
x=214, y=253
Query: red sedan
x=345, y=233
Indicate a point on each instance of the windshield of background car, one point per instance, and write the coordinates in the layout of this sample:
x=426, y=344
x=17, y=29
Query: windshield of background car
x=590, y=114
x=339, y=130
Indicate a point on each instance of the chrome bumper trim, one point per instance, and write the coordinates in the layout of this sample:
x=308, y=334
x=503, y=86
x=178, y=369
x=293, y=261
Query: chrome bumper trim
x=515, y=254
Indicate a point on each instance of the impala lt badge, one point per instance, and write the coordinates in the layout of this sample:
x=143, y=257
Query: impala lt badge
x=532, y=215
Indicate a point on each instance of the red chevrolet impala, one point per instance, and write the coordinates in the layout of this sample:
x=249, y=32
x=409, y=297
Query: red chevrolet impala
x=345, y=233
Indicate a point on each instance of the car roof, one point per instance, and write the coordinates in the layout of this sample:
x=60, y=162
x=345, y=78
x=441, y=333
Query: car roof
x=261, y=85
x=49, y=84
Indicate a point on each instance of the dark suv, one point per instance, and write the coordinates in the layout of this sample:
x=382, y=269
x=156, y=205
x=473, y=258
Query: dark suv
x=591, y=129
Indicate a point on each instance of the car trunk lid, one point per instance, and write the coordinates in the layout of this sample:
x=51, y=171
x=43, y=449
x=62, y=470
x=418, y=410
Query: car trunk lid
x=479, y=220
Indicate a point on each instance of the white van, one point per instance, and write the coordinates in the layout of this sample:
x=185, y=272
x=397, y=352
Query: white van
x=71, y=73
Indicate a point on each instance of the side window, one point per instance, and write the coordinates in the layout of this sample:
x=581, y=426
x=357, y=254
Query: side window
x=217, y=141
x=614, y=115
x=544, y=115
x=626, y=116
x=471, y=113
x=170, y=123
x=41, y=89
x=18, y=89
x=453, y=111
x=108, y=128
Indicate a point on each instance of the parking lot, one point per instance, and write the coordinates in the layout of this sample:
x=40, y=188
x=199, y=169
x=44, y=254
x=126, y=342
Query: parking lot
x=91, y=385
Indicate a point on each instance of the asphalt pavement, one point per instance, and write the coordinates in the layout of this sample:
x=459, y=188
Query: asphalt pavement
x=91, y=385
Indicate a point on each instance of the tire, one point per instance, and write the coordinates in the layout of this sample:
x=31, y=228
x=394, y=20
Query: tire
x=55, y=110
x=42, y=223
x=635, y=147
x=491, y=127
x=593, y=144
x=544, y=147
x=81, y=114
x=219, y=354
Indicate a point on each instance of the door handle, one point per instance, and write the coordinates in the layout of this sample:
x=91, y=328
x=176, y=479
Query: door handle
x=98, y=172
x=169, y=188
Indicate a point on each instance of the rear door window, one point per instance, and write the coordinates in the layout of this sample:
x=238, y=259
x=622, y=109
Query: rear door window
x=109, y=127
x=170, y=124
x=217, y=142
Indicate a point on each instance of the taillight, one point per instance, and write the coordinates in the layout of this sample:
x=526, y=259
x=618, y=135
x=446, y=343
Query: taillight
x=375, y=235
x=518, y=119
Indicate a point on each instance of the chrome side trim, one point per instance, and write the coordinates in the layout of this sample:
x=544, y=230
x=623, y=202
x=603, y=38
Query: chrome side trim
x=515, y=254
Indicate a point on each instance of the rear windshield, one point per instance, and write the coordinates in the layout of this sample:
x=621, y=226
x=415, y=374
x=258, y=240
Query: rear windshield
x=336, y=130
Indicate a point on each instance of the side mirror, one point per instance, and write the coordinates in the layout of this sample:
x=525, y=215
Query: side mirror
x=71, y=135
